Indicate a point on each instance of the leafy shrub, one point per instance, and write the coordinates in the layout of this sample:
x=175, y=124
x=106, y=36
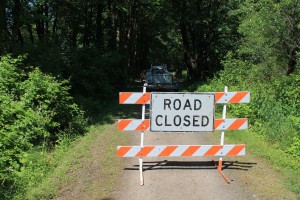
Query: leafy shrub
x=275, y=101
x=95, y=77
x=35, y=109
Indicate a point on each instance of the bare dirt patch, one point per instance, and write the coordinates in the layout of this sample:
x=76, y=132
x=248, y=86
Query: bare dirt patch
x=96, y=171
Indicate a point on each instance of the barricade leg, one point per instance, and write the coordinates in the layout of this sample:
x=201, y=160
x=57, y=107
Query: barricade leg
x=141, y=171
x=142, y=143
x=219, y=168
x=219, y=165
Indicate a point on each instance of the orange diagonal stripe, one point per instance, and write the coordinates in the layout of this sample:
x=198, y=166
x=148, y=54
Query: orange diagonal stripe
x=235, y=150
x=123, y=123
x=237, y=124
x=213, y=150
x=238, y=97
x=144, y=98
x=123, y=96
x=122, y=151
x=144, y=125
x=218, y=122
x=144, y=151
x=219, y=95
x=167, y=151
x=190, y=151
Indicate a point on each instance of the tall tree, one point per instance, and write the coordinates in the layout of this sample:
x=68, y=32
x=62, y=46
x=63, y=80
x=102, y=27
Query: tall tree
x=4, y=33
x=205, y=30
x=271, y=34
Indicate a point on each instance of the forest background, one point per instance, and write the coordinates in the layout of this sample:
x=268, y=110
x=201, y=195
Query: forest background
x=63, y=61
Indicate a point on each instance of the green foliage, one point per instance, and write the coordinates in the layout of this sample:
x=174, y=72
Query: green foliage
x=276, y=157
x=96, y=75
x=35, y=109
x=270, y=34
x=273, y=111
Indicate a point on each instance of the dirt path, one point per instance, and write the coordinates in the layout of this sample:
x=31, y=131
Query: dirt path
x=196, y=178
x=96, y=173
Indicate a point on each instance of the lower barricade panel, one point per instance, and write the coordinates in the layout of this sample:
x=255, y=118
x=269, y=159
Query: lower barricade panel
x=181, y=150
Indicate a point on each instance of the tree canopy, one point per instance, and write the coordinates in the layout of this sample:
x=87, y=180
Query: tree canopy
x=194, y=35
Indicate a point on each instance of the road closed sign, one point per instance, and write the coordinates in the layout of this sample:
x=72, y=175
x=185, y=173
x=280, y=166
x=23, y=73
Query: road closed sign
x=178, y=112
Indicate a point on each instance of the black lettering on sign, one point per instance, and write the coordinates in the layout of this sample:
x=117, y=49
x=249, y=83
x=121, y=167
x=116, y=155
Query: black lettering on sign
x=156, y=120
x=166, y=121
x=187, y=120
x=167, y=103
x=204, y=121
x=177, y=104
x=178, y=121
x=197, y=104
x=187, y=105
x=195, y=120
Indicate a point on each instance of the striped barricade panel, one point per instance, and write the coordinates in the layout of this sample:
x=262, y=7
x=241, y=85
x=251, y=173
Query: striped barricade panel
x=220, y=124
x=134, y=98
x=181, y=150
x=232, y=97
x=231, y=124
x=221, y=97
x=133, y=124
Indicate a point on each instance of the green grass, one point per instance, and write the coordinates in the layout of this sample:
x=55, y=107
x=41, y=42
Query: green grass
x=73, y=165
x=287, y=165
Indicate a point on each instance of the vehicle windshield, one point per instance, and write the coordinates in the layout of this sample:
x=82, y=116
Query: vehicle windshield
x=158, y=71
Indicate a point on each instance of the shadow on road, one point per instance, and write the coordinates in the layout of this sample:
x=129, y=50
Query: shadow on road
x=192, y=165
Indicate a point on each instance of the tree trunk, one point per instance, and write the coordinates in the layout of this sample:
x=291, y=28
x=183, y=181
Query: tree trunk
x=74, y=37
x=86, y=26
x=112, y=30
x=292, y=62
x=3, y=21
x=46, y=11
x=99, y=29
x=4, y=33
x=16, y=33
x=40, y=29
x=29, y=28
x=54, y=26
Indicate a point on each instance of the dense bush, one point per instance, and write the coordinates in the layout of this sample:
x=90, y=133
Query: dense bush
x=275, y=102
x=95, y=75
x=35, y=109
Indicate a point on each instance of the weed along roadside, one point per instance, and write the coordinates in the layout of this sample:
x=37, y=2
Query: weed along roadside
x=88, y=169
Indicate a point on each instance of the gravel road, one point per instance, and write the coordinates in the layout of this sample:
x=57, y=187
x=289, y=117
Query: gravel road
x=196, y=178
x=182, y=177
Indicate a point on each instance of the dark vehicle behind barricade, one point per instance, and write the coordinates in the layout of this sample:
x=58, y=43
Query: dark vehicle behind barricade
x=158, y=78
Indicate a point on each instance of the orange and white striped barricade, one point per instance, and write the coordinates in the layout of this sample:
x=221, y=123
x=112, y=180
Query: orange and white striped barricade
x=221, y=97
x=220, y=124
x=182, y=150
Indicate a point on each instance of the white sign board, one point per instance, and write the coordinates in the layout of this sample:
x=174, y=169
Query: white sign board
x=177, y=112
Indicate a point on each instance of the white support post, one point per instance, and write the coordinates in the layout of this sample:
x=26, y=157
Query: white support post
x=223, y=132
x=142, y=142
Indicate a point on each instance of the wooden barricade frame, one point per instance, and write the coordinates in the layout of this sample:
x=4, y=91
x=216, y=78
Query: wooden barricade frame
x=143, y=125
